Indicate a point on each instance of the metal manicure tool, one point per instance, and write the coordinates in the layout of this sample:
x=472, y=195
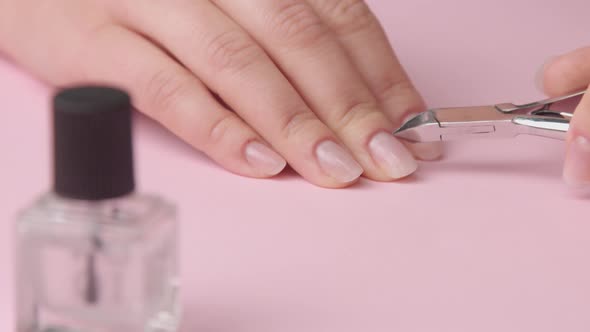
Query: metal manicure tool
x=548, y=118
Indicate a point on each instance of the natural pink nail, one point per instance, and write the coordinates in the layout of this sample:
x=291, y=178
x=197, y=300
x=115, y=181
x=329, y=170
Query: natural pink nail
x=427, y=151
x=577, y=165
x=264, y=159
x=392, y=156
x=336, y=162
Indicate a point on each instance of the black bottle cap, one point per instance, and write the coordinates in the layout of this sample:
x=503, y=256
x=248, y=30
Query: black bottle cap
x=93, y=153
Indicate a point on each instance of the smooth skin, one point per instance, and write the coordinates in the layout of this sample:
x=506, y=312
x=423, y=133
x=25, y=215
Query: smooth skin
x=561, y=75
x=254, y=84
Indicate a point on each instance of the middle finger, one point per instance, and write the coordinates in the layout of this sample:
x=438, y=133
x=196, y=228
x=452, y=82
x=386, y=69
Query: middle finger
x=233, y=65
x=318, y=66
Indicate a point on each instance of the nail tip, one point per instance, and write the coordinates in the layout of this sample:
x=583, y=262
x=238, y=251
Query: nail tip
x=278, y=170
x=263, y=158
x=539, y=78
x=427, y=151
x=405, y=171
x=354, y=176
x=393, y=157
x=576, y=171
x=337, y=163
x=429, y=154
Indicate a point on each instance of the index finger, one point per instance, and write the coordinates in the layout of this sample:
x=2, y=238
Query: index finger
x=224, y=57
x=310, y=55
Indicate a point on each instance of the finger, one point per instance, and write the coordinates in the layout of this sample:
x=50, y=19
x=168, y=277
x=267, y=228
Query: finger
x=577, y=165
x=230, y=63
x=316, y=64
x=567, y=73
x=562, y=75
x=165, y=91
x=359, y=31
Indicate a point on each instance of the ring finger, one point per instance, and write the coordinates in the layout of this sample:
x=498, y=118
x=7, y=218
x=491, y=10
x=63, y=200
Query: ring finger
x=317, y=65
x=358, y=30
x=230, y=63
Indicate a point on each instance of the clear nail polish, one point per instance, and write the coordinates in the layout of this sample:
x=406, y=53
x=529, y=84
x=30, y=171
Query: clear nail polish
x=93, y=255
x=392, y=156
x=264, y=159
x=337, y=162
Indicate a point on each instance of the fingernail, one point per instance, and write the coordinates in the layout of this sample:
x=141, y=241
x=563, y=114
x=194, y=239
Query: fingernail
x=427, y=151
x=392, y=156
x=337, y=162
x=540, y=74
x=264, y=159
x=576, y=172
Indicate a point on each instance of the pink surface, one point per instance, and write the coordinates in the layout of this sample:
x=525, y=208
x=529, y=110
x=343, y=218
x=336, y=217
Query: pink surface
x=486, y=240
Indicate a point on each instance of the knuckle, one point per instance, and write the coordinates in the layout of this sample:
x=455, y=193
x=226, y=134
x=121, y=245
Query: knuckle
x=221, y=128
x=232, y=50
x=390, y=87
x=295, y=22
x=357, y=113
x=299, y=123
x=164, y=88
x=351, y=16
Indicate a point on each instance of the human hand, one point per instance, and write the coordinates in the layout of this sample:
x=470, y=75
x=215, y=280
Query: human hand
x=251, y=83
x=562, y=75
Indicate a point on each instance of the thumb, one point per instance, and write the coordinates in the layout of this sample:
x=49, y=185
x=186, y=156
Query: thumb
x=565, y=74
x=577, y=165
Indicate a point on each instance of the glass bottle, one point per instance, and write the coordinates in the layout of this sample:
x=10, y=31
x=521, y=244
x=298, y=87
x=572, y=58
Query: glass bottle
x=93, y=255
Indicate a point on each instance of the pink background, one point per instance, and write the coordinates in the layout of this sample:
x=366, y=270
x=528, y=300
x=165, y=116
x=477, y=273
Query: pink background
x=486, y=240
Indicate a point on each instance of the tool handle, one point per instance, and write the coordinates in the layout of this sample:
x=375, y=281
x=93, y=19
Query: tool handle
x=549, y=127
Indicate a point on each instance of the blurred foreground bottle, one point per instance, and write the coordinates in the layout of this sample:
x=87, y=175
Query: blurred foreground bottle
x=93, y=255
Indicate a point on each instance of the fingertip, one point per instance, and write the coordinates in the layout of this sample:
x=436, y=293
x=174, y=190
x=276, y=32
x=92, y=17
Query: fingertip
x=540, y=74
x=264, y=160
x=337, y=163
x=551, y=75
x=576, y=173
x=427, y=151
x=392, y=158
x=566, y=73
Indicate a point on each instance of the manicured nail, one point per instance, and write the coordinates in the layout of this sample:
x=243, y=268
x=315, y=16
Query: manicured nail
x=264, y=159
x=540, y=74
x=427, y=151
x=392, y=156
x=576, y=172
x=337, y=162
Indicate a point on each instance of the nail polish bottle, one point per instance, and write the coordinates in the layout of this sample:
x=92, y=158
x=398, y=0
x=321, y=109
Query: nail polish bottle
x=93, y=255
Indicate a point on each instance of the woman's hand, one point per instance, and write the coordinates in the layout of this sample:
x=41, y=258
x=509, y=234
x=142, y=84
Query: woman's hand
x=565, y=74
x=252, y=83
